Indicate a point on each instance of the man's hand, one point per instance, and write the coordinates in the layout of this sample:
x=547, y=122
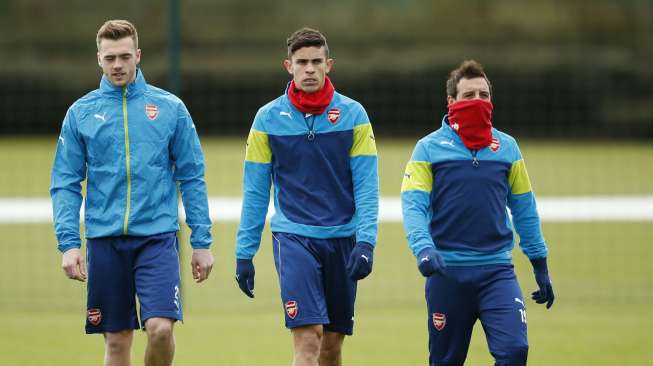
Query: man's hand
x=360, y=261
x=245, y=276
x=545, y=293
x=201, y=264
x=74, y=265
x=430, y=262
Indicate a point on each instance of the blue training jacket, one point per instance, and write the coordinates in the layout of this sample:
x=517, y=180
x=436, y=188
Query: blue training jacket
x=324, y=170
x=456, y=200
x=132, y=145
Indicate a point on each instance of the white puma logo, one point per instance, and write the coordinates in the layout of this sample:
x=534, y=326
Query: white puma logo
x=450, y=142
x=98, y=116
x=426, y=259
x=519, y=301
x=285, y=114
x=364, y=257
x=62, y=141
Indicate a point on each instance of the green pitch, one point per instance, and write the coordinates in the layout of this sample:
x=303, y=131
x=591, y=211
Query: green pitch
x=601, y=272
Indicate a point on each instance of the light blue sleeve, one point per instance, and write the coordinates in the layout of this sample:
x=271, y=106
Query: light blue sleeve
x=365, y=179
x=527, y=225
x=523, y=208
x=68, y=171
x=186, y=154
x=416, y=190
x=257, y=179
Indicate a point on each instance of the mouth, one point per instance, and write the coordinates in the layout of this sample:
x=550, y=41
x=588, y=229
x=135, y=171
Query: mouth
x=310, y=81
x=118, y=75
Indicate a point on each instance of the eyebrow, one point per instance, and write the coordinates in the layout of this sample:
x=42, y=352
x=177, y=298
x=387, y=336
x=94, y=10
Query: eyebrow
x=118, y=55
x=311, y=59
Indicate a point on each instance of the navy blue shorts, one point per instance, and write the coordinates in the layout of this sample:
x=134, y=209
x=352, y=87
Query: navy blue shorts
x=123, y=267
x=315, y=288
x=489, y=293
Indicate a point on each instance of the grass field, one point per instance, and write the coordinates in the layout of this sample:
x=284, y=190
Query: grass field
x=601, y=272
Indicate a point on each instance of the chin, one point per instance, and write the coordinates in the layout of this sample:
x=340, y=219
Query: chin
x=118, y=82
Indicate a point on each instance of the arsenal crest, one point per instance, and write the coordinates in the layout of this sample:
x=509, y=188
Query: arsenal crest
x=333, y=115
x=495, y=144
x=291, y=309
x=439, y=321
x=94, y=316
x=151, y=111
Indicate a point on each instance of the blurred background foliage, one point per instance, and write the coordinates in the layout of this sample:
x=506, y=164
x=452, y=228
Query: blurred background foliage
x=584, y=65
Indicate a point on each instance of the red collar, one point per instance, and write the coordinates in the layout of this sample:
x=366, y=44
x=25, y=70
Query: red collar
x=314, y=103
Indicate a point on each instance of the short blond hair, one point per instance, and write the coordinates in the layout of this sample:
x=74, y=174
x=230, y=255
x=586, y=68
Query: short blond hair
x=116, y=29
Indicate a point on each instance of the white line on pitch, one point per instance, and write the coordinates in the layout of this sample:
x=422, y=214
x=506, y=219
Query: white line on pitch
x=227, y=209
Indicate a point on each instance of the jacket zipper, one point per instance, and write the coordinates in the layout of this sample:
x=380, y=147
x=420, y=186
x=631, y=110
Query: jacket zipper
x=475, y=161
x=125, y=225
x=311, y=131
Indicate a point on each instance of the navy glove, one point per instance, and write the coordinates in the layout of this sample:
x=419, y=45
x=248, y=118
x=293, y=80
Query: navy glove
x=359, y=264
x=245, y=276
x=545, y=293
x=430, y=262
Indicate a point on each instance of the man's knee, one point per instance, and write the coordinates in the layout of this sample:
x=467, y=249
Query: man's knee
x=118, y=342
x=516, y=356
x=159, y=329
x=332, y=345
x=308, y=340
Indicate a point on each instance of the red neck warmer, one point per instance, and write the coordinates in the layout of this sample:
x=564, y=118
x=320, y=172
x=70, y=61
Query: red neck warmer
x=472, y=121
x=314, y=103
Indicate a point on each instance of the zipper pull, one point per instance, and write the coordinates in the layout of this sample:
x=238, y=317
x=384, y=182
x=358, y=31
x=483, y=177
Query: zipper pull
x=475, y=161
x=311, y=135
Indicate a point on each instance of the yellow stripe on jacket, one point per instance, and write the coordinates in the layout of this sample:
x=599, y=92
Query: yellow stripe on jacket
x=518, y=178
x=258, y=147
x=418, y=176
x=364, y=143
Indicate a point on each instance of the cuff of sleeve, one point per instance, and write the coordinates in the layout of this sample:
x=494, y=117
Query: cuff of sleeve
x=66, y=247
x=539, y=264
x=423, y=250
x=200, y=245
x=420, y=246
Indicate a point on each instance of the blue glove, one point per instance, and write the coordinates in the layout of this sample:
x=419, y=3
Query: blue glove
x=359, y=264
x=545, y=293
x=430, y=262
x=245, y=276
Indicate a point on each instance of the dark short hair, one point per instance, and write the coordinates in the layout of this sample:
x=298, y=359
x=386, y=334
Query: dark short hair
x=116, y=29
x=468, y=69
x=306, y=37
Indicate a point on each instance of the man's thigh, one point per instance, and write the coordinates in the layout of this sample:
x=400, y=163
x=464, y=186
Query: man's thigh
x=452, y=312
x=156, y=272
x=300, y=280
x=503, y=314
x=111, y=303
x=339, y=289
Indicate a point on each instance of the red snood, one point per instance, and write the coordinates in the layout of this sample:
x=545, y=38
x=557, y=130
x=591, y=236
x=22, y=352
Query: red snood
x=314, y=103
x=472, y=121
